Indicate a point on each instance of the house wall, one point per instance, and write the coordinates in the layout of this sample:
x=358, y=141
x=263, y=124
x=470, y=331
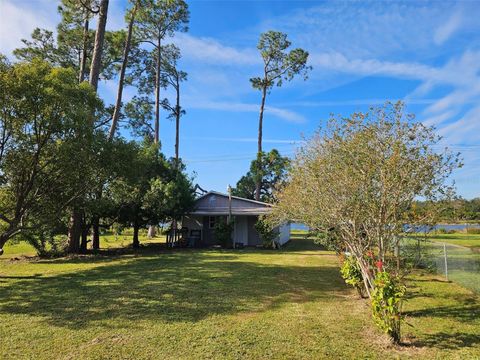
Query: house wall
x=244, y=231
x=284, y=233
x=240, y=233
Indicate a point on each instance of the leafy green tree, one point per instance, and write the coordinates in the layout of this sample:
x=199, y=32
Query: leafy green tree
x=267, y=233
x=278, y=66
x=360, y=176
x=273, y=174
x=42, y=123
x=151, y=192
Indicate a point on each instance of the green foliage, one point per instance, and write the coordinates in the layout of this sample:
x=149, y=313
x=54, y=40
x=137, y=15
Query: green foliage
x=361, y=176
x=150, y=190
x=473, y=231
x=280, y=65
x=223, y=231
x=445, y=231
x=267, y=232
x=66, y=48
x=47, y=243
x=327, y=238
x=351, y=273
x=387, y=298
x=45, y=128
x=273, y=176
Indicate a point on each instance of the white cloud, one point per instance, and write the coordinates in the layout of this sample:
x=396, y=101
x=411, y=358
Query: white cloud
x=446, y=30
x=211, y=51
x=284, y=114
x=464, y=130
x=19, y=18
x=358, y=102
x=249, y=140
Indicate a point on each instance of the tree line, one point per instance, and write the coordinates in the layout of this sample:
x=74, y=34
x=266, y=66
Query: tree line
x=65, y=166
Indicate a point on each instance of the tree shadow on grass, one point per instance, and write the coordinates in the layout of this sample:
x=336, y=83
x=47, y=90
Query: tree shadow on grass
x=449, y=341
x=467, y=312
x=175, y=287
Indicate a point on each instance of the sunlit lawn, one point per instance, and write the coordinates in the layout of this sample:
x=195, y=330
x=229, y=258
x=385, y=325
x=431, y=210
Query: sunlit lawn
x=462, y=239
x=193, y=304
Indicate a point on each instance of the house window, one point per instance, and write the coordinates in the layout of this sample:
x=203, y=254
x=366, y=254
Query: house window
x=211, y=222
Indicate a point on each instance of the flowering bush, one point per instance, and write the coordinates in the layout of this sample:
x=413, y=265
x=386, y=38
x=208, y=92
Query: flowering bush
x=352, y=274
x=387, y=297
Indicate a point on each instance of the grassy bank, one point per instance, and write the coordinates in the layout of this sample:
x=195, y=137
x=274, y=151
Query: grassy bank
x=218, y=304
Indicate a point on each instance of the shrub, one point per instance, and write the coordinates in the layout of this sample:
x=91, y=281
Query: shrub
x=329, y=239
x=267, y=233
x=352, y=274
x=387, y=297
x=446, y=231
x=47, y=244
x=223, y=232
x=473, y=230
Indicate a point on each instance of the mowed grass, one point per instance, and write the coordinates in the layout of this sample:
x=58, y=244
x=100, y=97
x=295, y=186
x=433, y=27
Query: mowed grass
x=222, y=304
x=462, y=239
x=107, y=241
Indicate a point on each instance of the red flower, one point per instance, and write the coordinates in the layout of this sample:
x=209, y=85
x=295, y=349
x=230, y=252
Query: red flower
x=370, y=254
x=379, y=265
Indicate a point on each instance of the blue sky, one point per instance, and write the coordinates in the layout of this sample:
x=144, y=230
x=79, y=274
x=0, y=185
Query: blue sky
x=362, y=53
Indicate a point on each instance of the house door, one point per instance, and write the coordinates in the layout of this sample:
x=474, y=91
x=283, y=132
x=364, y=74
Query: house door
x=241, y=230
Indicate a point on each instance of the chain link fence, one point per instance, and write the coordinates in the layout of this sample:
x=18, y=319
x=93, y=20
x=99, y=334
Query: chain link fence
x=456, y=263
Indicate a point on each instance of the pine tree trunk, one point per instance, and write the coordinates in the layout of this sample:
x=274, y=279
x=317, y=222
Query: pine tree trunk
x=136, y=242
x=157, y=93
x=259, y=153
x=98, y=47
x=121, y=80
x=83, y=61
x=177, y=125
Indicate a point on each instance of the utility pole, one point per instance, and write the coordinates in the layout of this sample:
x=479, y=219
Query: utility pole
x=229, y=189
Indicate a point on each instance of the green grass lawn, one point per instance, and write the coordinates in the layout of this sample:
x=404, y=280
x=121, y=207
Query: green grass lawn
x=462, y=239
x=222, y=304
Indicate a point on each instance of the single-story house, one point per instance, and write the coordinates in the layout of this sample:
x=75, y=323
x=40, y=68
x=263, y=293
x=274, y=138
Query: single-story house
x=213, y=206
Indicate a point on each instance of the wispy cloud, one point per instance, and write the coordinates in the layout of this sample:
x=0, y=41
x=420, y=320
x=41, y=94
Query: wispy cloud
x=284, y=114
x=446, y=30
x=19, y=18
x=211, y=51
x=358, y=102
x=249, y=140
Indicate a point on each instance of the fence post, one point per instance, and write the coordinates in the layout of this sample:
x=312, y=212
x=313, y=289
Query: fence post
x=446, y=263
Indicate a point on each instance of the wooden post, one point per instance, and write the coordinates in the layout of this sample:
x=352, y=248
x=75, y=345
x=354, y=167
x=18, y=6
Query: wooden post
x=229, y=189
x=446, y=262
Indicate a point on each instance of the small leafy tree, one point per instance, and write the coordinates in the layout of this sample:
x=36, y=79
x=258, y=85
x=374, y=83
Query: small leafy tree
x=268, y=233
x=273, y=175
x=360, y=176
x=352, y=274
x=223, y=231
x=43, y=128
x=387, y=298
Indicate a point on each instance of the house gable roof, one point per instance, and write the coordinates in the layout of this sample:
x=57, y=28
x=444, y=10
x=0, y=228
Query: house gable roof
x=216, y=203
